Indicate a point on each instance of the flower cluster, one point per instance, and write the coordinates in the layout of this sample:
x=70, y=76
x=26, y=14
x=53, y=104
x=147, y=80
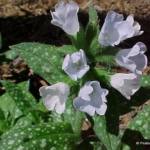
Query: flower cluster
x=92, y=97
x=115, y=30
x=135, y=62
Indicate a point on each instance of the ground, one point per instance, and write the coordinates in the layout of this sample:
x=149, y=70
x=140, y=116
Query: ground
x=141, y=8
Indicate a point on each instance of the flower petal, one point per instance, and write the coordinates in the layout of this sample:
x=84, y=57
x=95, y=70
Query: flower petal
x=85, y=92
x=89, y=110
x=55, y=96
x=124, y=29
x=133, y=59
x=71, y=25
x=91, y=97
x=50, y=102
x=66, y=62
x=62, y=88
x=115, y=29
x=45, y=90
x=65, y=17
x=83, y=71
x=75, y=65
x=130, y=19
x=126, y=84
x=60, y=108
x=102, y=109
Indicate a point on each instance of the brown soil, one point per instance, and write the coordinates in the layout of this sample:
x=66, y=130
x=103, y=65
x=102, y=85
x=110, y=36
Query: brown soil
x=141, y=8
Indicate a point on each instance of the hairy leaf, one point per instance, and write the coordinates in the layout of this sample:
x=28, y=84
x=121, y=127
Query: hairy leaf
x=43, y=136
x=45, y=60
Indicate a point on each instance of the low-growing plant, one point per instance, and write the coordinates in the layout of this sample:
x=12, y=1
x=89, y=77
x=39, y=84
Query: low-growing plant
x=84, y=86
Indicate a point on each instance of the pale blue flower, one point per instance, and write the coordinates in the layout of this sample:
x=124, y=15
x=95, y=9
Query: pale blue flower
x=75, y=65
x=91, y=99
x=126, y=84
x=65, y=17
x=55, y=96
x=133, y=59
x=115, y=29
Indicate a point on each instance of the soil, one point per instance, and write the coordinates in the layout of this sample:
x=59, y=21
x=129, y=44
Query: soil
x=141, y=8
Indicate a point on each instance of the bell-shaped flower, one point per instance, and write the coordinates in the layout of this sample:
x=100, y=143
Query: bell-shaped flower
x=91, y=99
x=133, y=59
x=115, y=29
x=65, y=17
x=55, y=96
x=75, y=65
x=126, y=84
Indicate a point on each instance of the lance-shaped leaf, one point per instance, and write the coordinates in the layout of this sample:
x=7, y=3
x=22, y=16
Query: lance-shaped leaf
x=43, y=136
x=45, y=60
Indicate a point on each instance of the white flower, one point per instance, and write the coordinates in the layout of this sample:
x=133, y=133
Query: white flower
x=126, y=84
x=75, y=65
x=91, y=99
x=115, y=29
x=133, y=59
x=65, y=17
x=55, y=96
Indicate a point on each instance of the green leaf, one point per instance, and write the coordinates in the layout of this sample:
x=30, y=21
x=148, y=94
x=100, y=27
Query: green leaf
x=145, y=81
x=103, y=74
x=108, y=60
x=15, y=103
x=142, y=122
x=20, y=95
x=106, y=56
x=43, y=136
x=8, y=106
x=98, y=146
x=110, y=141
x=79, y=39
x=85, y=37
x=45, y=60
x=92, y=27
x=93, y=17
x=74, y=117
x=18, y=105
x=3, y=123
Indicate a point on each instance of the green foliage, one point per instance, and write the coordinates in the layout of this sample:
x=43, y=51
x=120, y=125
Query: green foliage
x=23, y=127
x=106, y=56
x=92, y=27
x=142, y=122
x=3, y=122
x=93, y=17
x=20, y=95
x=26, y=125
x=8, y=107
x=18, y=105
x=45, y=60
x=85, y=37
x=42, y=136
x=106, y=60
x=145, y=81
x=74, y=117
x=110, y=141
x=79, y=40
x=37, y=57
x=103, y=75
